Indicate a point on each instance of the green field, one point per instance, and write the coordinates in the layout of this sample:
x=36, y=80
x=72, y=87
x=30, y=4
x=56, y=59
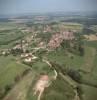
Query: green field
x=9, y=69
x=10, y=26
x=66, y=59
x=89, y=93
x=72, y=26
x=88, y=59
x=68, y=26
x=55, y=91
x=9, y=36
x=9, y=33
x=11, y=66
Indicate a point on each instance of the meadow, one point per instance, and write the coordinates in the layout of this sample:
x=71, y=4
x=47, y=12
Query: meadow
x=9, y=69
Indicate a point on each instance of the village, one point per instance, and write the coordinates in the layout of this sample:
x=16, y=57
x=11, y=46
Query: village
x=52, y=53
x=26, y=52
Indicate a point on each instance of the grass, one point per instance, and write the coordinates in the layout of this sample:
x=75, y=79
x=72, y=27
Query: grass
x=94, y=70
x=86, y=63
x=9, y=69
x=55, y=91
x=66, y=59
x=68, y=26
x=9, y=33
x=9, y=26
x=20, y=90
x=10, y=36
x=72, y=26
x=89, y=93
x=88, y=59
x=91, y=44
x=42, y=67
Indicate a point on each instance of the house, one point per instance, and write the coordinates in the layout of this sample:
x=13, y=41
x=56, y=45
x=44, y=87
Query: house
x=47, y=29
x=34, y=57
x=28, y=59
x=18, y=46
x=58, y=38
x=42, y=45
x=5, y=52
x=25, y=55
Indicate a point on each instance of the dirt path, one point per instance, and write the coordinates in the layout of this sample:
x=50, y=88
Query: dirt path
x=71, y=82
x=20, y=90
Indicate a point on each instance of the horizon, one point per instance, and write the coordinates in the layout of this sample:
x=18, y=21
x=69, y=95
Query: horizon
x=49, y=13
x=16, y=7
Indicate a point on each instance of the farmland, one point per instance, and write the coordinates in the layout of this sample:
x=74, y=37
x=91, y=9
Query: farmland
x=9, y=66
x=25, y=53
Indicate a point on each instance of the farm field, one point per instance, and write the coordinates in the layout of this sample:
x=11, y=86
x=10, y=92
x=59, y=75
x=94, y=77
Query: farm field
x=72, y=26
x=66, y=59
x=9, y=36
x=89, y=59
x=19, y=86
x=89, y=93
x=7, y=26
x=9, y=69
x=19, y=92
x=55, y=91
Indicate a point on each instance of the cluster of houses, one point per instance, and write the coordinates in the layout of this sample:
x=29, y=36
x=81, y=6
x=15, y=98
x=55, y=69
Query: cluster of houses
x=41, y=18
x=47, y=29
x=54, y=42
x=5, y=52
x=28, y=57
x=42, y=45
x=57, y=38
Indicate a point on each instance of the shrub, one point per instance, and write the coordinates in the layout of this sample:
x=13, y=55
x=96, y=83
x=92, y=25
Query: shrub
x=75, y=75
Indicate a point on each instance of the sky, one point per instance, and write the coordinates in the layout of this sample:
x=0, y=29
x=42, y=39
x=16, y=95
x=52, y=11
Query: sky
x=34, y=6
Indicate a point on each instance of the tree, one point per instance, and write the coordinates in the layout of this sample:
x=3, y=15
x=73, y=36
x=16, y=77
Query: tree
x=81, y=50
x=75, y=75
x=8, y=88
